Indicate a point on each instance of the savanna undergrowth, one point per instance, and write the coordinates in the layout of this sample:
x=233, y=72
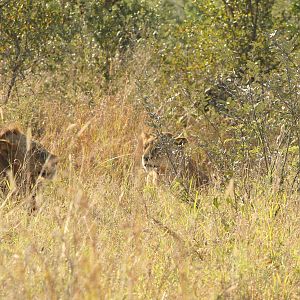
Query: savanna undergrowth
x=101, y=233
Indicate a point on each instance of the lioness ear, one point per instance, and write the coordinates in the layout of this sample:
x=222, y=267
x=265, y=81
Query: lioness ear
x=145, y=136
x=181, y=141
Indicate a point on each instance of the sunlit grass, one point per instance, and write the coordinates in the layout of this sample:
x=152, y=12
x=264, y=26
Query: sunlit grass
x=101, y=234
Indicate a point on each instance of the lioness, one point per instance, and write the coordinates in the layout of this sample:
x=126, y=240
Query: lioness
x=163, y=156
x=22, y=162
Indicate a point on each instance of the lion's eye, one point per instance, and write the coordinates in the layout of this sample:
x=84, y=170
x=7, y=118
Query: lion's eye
x=43, y=155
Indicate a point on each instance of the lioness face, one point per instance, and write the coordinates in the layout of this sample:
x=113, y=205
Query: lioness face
x=162, y=153
x=23, y=154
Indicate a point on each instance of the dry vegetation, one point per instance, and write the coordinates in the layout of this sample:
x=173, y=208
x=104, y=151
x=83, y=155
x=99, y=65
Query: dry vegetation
x=99, y=234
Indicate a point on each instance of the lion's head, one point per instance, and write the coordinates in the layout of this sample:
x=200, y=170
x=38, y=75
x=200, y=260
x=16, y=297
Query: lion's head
x=27, y=159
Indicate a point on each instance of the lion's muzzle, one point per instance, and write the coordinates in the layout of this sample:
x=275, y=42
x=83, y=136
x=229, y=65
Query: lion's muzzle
x=50, y=167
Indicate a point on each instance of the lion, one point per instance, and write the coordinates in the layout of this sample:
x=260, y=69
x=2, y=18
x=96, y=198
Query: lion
x=163, y=158
x=23, y=164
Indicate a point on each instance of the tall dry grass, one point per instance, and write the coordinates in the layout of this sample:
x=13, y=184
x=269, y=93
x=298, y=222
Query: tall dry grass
x=99, y=235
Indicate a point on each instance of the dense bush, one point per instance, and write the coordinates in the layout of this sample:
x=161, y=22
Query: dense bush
x=228, y=73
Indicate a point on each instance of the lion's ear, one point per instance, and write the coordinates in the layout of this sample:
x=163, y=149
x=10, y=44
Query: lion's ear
x=181, y=141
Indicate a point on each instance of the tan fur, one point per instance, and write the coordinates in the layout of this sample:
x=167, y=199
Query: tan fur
x=163, y=157
x=25, y=159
